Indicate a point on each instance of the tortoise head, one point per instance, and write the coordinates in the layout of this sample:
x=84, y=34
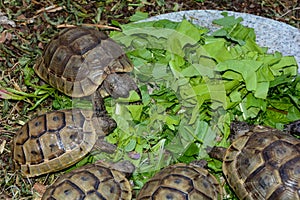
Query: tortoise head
x=119, y=85
x=293, y=128
x=238, y=128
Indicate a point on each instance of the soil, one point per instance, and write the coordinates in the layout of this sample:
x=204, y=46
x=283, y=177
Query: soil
x=36, y=22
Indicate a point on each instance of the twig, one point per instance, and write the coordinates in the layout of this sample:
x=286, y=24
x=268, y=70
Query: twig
x=94, y=25
x=48, y=9
x=297, y=8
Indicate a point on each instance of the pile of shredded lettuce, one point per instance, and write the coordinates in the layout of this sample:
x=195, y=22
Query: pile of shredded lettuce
x=194, y=84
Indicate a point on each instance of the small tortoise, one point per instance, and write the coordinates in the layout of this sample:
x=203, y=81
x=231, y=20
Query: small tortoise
x=181, y=182
x=80, y=60
x=261, y=163
x=58, y=139
x=93, y=181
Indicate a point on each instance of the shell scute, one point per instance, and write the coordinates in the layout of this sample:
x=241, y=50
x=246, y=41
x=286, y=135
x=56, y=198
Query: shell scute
x=246, y=165
x=74, y=69
x=81, y=45
x=37, y=127
x=59, y=60
x=34, y=152
x=55, y=121
x=290, y=172
x=23, y=135
x=279, y=152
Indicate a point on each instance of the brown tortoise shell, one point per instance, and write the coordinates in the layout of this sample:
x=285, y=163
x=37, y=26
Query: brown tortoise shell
x=56, y=140
x=264, y=163
x=93, y=181
x=182, y=182
x=77, y=60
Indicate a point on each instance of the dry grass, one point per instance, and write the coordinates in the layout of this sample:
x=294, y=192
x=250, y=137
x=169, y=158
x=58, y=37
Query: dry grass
x=36, y=22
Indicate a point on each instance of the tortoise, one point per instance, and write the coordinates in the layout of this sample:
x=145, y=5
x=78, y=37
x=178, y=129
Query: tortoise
x=100, y=180
x=58, y=139
x=261, y=163
x=80, y=61
x=181, y=181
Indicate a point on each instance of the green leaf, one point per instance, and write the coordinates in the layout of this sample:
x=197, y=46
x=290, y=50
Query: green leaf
x=247, y=68
x=233, y=30
x=293, y=113
x=136, y=111
x=190, y=30
x=217, y=48
x=227, y=21
x=287, y=62
x=130, y=146
x=138, y=16
x=235, y=96
x=192, y=150
x=262, y=90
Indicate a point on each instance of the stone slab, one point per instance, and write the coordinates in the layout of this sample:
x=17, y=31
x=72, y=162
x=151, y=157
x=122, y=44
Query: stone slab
x=275, y=35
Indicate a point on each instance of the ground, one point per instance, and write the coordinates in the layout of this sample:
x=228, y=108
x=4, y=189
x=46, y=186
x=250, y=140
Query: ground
x=37, y=21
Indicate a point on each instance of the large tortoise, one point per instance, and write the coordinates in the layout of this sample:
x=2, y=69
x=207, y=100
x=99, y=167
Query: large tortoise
x=58, y=139
x=80, y=60
x=93, y=181
x=181, y=182
x=261, y=163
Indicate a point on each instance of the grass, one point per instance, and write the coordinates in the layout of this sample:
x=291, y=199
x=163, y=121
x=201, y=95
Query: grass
x=23, y=95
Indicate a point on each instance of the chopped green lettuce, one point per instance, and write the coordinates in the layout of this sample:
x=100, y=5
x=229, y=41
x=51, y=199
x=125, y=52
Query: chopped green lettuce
x=194, y=85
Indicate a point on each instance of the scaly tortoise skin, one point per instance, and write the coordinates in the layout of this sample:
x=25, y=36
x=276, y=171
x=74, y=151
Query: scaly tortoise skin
x=92, y=181
x=262, y=163
x=58, y=139
x=80, y=60
x=181, y=182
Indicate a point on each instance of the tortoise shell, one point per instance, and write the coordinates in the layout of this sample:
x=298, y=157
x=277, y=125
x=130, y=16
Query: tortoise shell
x=264, y=163
x=92, y=181
x=78, y=60
x=181, y=181
x=56, y=140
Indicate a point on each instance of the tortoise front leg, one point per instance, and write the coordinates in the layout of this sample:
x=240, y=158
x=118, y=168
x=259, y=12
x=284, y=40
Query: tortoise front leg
x=98, y=104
